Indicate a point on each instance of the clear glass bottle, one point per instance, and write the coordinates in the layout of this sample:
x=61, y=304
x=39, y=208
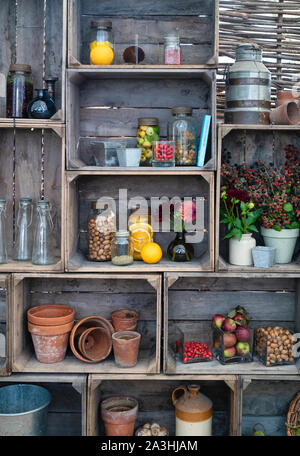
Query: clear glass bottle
x=3, y=245
x=44, y=243
x=122, y=249
x=101, y=43
x=19, y=90
x=172, y=50
x=183, y=129
x=23, y=244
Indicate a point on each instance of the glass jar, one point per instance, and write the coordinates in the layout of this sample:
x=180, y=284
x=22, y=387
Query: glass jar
x=148, y=131
x=172, y=50
x=163, y=153
x=141, y=231
x=19, y=90
x=101, y=43
x=44, y=243
x=3, y=245
x=23, y=245
x=122, y=249
x=42, y=106
x=183, y=129
x=101, y=229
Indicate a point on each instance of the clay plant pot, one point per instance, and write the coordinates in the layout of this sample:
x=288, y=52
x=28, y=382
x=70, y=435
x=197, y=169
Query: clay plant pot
x=286, y=114
x=50, y=342
x=119, y=415
x=94, y=321
x=51, y=314
x=284, y=96
x=95, y=344
x=126, y=348
x=124, y=320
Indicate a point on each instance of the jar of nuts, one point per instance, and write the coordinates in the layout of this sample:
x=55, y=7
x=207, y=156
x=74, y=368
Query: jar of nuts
x=274, y=346
x=101, y=229
x=183, y=129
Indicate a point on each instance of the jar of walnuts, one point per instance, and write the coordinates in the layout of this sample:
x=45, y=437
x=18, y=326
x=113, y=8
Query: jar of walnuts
x=274, y=346
x=101, y=229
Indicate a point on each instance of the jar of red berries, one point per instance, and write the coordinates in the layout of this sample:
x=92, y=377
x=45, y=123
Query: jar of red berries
x=163, y=153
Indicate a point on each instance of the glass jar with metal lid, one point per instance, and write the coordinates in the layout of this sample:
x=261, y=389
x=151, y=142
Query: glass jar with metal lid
x=172, y=50
x=183, y=129
x=101, y=43
x=19, y=90
x=122, y=249
x=148, y=131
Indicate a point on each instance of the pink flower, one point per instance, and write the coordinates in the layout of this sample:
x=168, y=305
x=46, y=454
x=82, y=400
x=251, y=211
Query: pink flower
x=188, y=211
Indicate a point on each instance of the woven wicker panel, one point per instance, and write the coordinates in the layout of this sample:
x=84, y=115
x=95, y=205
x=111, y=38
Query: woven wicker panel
x=293, y=416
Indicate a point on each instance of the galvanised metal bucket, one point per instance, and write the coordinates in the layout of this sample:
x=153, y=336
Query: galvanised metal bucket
x=248, y=88
x=23, y=410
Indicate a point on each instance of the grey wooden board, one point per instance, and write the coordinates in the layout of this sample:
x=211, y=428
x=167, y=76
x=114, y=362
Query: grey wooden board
x=143, y=7
x=6, y=180
x=274, y=425
x=7, y=47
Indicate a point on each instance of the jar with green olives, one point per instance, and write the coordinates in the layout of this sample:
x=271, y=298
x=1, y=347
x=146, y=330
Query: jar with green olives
x=148, y=131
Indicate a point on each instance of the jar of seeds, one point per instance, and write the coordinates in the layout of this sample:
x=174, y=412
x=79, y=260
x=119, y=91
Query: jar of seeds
x=183, y=129
x=122, y=249
x=101, y=229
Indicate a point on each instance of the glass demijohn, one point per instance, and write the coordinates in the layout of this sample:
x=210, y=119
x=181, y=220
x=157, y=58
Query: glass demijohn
x=44, y=240
x=23, y=244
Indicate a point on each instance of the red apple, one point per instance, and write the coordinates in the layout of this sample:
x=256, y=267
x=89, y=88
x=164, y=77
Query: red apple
x=242, y=333
x=240, y=319
x=229, y=339
x=228, y=325
x=218, y=320
x=229, y=352
x=242, y=348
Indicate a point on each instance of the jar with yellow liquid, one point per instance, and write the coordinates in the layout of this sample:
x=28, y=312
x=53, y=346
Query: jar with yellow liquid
x=102, y=43
x=141, y=232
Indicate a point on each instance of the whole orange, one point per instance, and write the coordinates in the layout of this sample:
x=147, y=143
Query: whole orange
x=151, y=253
x=101, y=55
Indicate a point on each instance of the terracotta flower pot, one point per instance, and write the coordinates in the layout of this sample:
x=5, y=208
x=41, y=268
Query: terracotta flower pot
x=51, y=314
x=119, y=415
x=286, y=114
x=95, y=344
x=50, y=342
x=86, y=323
x=124, y=320
x=284, y=96
x=126, y=347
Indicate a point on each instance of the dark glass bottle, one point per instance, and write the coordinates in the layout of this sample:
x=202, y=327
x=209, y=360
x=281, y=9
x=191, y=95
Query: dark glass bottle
x=43, y=106
x=179, y=250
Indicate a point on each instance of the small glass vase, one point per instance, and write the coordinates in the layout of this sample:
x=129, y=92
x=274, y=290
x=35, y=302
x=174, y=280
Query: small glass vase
x=179, y=250
x=23, y=246
x=43, y=106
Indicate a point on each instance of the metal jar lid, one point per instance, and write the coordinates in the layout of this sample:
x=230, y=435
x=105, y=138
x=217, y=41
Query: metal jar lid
x=107, y=24
x=148, y=121
x=182, y=110
x=20, y=67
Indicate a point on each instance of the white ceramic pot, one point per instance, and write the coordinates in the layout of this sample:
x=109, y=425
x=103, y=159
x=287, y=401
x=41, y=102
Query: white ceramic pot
x=129, y=157
x=284, y=242
x=240, y=252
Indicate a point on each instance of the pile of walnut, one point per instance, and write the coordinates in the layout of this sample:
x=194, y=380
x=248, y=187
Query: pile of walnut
x=151, y=429
x=274, y=343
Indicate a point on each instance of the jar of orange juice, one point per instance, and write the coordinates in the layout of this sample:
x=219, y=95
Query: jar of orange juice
x=141, y=232
x=102, y=43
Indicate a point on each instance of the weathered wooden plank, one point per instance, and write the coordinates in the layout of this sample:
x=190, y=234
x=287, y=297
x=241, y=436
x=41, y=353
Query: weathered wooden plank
x=6, y=181
x=7, y=47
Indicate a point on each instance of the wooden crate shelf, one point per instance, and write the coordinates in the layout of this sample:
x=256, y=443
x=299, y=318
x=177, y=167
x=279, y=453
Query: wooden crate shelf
x=82, y=189
x=67, y=409
x=154, y=398
x=271, y=300
x=89, y=295
x=266, y=400
x=5, y=295
x=36, y=34
x=195, y=22
x=248, y=144
x=32, y=161
x=104, y=104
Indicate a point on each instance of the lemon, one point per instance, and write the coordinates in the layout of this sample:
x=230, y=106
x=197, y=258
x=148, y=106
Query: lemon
x=102, y=54
x=151, y=253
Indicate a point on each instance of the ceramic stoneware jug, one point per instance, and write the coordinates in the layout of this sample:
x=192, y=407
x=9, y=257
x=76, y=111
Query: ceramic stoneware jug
x=193, y=412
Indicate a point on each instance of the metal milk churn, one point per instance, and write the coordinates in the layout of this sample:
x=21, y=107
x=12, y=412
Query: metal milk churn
x=193, y=412
x=248, y=88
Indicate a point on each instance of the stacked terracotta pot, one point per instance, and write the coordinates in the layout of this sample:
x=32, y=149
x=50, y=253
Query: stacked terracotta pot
x=50, y=326
x=126, y=340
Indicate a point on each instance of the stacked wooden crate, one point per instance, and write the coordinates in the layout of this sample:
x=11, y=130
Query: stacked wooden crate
x=51, y=160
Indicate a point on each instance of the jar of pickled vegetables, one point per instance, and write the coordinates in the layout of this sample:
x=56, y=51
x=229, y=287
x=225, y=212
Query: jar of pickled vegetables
x=102, y=43
x=141, y=232
x=183, y=129
x=148, y=131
